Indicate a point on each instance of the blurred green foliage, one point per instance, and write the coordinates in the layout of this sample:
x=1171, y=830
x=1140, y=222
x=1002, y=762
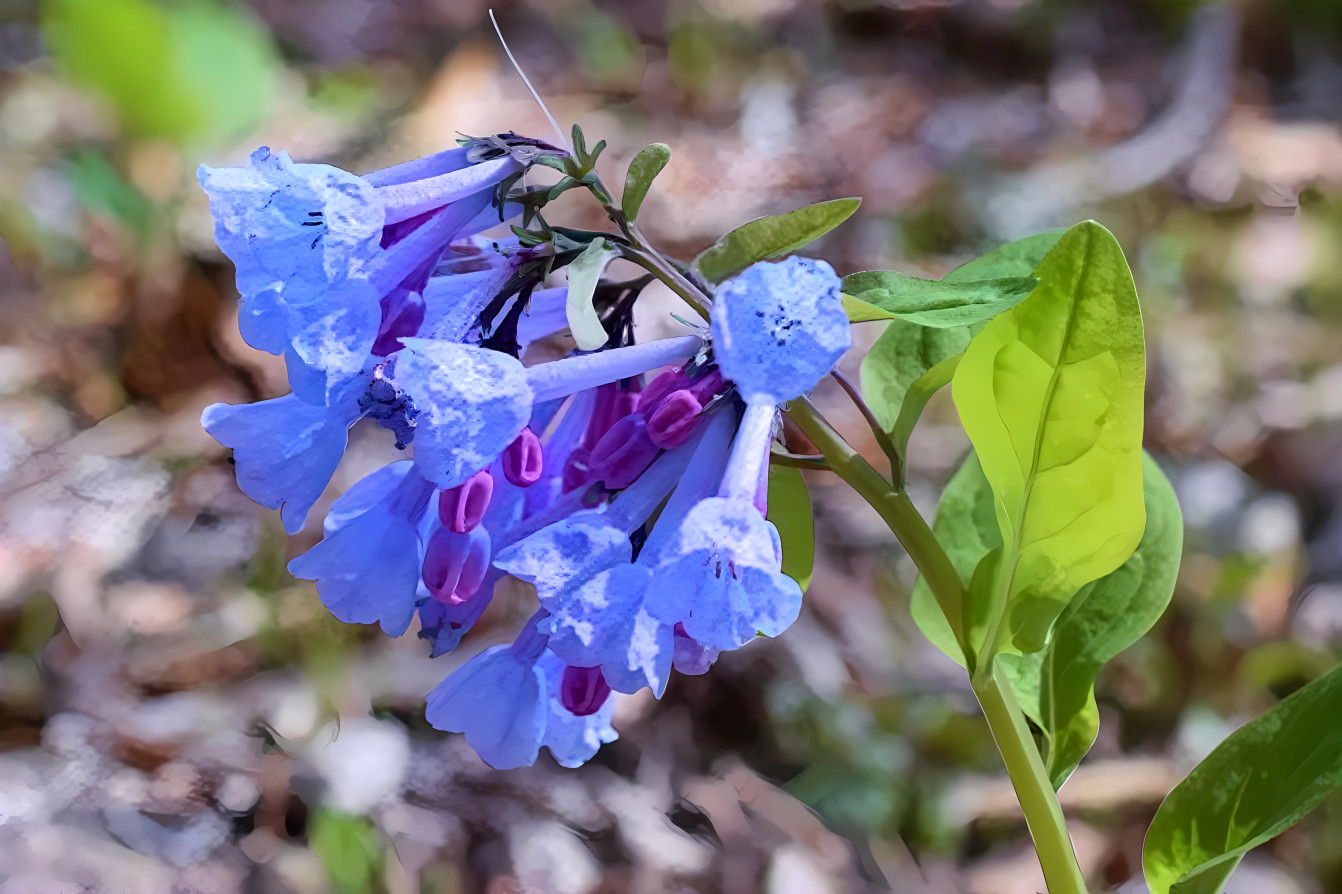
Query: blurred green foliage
x=189, y=72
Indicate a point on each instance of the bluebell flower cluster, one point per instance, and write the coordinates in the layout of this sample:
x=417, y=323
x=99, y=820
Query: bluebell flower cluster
x=628, y=485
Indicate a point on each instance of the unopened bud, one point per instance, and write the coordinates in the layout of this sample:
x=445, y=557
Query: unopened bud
x=522, y=459
x=582, y=690
x=462, y=507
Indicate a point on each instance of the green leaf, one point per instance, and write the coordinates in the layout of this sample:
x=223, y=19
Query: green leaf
x=772, y=237
x=906, y=351
x=860, y=311
x=937, y=303
x=1019, y=258
x=966, y=527
x=348, y=848
x=900, y=359
x=182, y=72
x=1257, y=783
x=790, y=511
x=915, y=401
x=642, y=171
x=1056, y=687
x=583, y=273
x=1050, y=394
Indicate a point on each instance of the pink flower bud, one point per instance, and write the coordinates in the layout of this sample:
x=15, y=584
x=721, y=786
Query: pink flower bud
x=460, y=508
x=522, y=460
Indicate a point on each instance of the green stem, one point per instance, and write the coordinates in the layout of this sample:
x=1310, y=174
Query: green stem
x=1025, y=768
x=894, y=507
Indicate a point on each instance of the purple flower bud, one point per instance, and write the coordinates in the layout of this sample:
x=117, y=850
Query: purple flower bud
x=460, y=508
x=675, y=419
x=582, y=690
x=522, y=460
x=455, y=564
x=623, y=453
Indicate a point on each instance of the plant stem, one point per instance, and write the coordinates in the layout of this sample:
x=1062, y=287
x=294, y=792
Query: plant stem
x=893, y=505
x=1025, y=768
x=882, y=439
x=1029, y=778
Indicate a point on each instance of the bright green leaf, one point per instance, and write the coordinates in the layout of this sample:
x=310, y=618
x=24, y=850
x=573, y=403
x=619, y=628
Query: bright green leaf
x=1257, y=783
x=1050, y=394
x=915, y=401
x=642, y=171
x=1056, y=686
x=583, y=274
x=937, y=303
x=772, y=237
x=790, y=511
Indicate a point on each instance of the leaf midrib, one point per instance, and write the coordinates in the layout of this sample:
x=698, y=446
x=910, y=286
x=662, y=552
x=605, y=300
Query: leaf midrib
x=1009, y=568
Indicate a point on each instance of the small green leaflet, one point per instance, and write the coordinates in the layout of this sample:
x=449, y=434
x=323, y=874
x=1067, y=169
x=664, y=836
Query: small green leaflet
x=1257, y=783
x=1056, y=687
x=938, y=303
x=642, y=170
x=1050, y=394
x=966, y=527
x=790, y=511
x=583, y=273
x=771, y=237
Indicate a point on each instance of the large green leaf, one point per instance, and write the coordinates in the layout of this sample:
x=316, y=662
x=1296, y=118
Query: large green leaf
x=938, y=303
x=584, y=272
x=790, y=511
x=1056, y=686
x=1050, y=394
x=642, y=171
x=771, y=237
x=1257, y=783
x=966, y=528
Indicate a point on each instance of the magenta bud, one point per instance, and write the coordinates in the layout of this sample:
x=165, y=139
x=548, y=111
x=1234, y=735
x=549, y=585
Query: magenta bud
x=675, y=419
x=455, y=564
x=706, y=387
x=622, y=453
x=582, y=690
x=522, y=459
x=660, y=387
x=460, y=508
x=575, y=469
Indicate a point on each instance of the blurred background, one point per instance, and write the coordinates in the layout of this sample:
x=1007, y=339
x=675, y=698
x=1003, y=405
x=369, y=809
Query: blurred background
x=178, y=715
